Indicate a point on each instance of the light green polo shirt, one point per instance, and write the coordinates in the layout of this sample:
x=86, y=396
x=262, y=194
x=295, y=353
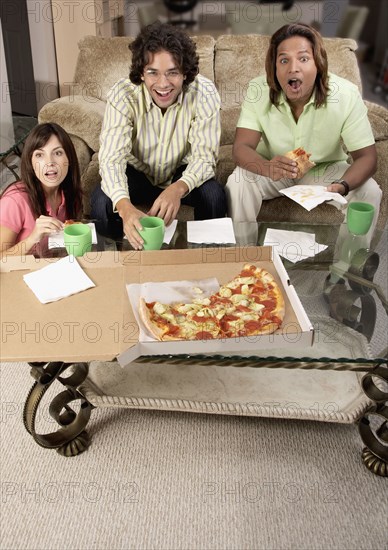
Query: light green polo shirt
x=319, y=131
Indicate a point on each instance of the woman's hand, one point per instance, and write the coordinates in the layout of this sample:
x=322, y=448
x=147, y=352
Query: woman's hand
x=44, y=225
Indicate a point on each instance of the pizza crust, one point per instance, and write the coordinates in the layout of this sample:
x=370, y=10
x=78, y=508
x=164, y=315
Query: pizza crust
x=145, y=316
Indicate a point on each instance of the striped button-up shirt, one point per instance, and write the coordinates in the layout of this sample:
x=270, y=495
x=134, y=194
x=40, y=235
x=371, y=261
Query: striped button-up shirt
x=136, y=132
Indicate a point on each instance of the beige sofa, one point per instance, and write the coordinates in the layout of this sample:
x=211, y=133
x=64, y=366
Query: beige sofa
x=231, y=62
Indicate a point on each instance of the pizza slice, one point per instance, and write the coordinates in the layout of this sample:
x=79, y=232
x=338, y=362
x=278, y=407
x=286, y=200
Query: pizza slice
x=179, y=321
x=251, y=304
x=304, y=164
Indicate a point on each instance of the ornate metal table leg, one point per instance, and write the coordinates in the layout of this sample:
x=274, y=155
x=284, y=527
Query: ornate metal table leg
x=375, y=454
x=71, y=439
x=344, y=302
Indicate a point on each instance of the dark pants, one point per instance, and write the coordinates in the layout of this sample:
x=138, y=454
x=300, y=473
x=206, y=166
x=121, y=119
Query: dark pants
x=208, y=200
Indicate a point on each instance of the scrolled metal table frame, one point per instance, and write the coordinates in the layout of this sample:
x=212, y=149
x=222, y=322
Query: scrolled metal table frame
x=71, y=439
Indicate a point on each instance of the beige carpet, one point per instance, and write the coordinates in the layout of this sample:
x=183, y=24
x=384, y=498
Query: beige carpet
x=167, y=480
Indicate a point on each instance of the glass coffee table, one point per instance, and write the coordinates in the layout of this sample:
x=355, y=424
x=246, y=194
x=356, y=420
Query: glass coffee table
x=342, y=377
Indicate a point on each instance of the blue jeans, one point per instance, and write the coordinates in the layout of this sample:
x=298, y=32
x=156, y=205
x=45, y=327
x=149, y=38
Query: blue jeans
x=208, y=200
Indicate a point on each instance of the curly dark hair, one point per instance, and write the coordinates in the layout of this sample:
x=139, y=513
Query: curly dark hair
x=320, y=58
x=162, y=36
x=71, y=185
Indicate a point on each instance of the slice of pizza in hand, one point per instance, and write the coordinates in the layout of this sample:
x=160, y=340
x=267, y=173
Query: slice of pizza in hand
x=251, y=304
x=304, y=164
x=70, y=222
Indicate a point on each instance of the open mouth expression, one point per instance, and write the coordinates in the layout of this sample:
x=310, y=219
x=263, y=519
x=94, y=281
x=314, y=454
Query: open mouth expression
x=50, y=163
x=295, y=69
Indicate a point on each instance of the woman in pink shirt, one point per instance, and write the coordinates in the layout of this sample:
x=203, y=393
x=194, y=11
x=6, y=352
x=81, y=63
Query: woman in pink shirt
x=48, y=194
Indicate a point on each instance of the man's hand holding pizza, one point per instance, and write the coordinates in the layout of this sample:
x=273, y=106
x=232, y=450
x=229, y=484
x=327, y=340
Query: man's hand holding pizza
x=280, y=167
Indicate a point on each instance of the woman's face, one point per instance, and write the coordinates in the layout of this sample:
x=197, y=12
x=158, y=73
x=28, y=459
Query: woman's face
x=295, y=69
x=50, y=163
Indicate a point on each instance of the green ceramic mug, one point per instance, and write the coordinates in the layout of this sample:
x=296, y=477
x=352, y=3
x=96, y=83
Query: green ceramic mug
x=78, y=239
x=360, y=217
x=152, y=232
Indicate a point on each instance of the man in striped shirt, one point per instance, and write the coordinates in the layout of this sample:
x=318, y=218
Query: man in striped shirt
x=160, y=138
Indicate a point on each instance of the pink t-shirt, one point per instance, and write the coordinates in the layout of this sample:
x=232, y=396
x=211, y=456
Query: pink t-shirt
x=16, y=212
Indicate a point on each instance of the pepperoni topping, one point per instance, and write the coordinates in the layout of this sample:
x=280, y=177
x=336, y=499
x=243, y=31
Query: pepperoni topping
x=270, y=304
x=204, y=335
x=219, y=300
x=202, y=320
x=246, y=273
x=230, y=317
x=236, y=290
x=243, y=308
x=172, y=329
x=253, y=325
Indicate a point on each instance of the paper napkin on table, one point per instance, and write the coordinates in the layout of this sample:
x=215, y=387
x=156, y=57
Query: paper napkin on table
x=58, y=280
x=169, y=231
x=56, y=240
x=168, y=292
x=218, y=231
x=309, y=196
x=293, y=245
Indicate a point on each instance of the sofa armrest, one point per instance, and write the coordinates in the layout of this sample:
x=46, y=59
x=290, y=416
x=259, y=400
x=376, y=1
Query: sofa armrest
x=80, y=116
x=378, y=117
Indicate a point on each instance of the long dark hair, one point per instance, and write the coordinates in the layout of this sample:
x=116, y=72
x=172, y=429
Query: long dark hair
x=162, y=36
x=71, y=185
x=320, y=58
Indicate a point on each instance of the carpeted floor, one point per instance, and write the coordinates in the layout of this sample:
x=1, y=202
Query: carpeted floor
x=164, y=480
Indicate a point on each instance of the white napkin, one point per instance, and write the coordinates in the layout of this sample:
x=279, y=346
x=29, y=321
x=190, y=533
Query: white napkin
x=309, y=196
x=219, y=230
x=168, y=232
x=58, y=280
x=168, y=292
x=293, y=245
x=56, y=240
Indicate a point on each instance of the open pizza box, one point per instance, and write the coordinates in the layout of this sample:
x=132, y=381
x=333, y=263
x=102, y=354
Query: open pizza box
x=99, y=324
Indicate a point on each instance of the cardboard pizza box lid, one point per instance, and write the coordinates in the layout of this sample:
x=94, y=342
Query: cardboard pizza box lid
x=98, y=324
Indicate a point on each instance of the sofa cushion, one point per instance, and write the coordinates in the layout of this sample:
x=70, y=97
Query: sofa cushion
x=378, y=117
x=283, y=209
x=79, y=115
x=100, y=63
x=103, y=61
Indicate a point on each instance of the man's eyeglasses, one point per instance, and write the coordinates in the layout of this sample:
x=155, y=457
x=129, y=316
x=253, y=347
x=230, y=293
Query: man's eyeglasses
x=172, y=74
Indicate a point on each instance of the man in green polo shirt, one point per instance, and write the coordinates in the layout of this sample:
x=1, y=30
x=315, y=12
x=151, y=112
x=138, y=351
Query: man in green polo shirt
x=299, y=104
